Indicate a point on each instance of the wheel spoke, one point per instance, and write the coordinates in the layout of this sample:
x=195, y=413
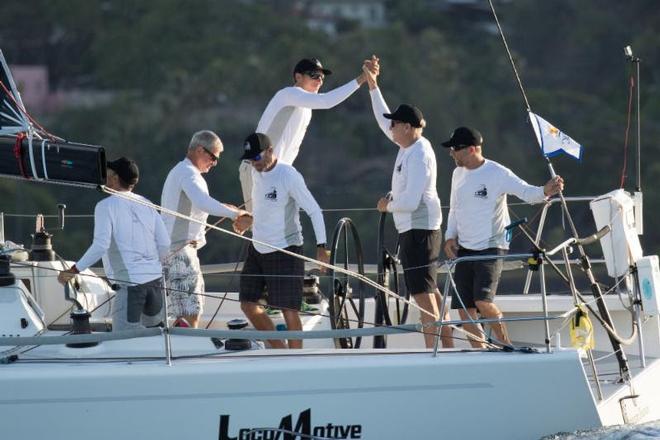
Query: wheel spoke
x=341, y=252
x=355, y=309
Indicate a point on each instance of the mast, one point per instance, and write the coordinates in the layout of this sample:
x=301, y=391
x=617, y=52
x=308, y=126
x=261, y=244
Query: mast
x=624, y=368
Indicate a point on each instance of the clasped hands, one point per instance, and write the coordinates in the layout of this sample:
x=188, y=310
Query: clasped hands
x=242, y=222
x=370, y=70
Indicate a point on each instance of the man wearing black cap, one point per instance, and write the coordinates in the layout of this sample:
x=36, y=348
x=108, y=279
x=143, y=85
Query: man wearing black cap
x=414, y=204
x=132, y=240
x=278, y=193
x=478, y=214
x=289, y=112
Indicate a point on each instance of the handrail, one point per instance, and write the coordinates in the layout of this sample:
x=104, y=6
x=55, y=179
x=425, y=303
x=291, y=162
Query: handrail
x=450, y=282
x=19, y=341
x=452, y=262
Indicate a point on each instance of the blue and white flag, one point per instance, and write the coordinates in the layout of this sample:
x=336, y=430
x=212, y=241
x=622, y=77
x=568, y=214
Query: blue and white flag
x=551, y=140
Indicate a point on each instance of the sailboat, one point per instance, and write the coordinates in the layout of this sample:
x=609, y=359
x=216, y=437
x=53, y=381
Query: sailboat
x=63, y=374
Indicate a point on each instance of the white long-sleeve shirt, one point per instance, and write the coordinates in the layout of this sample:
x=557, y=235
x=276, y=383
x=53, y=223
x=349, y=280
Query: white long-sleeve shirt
x=289, y=112
x=277, y=196
x=415, y=203
x=478, y=210
x=131, y=238
x=186, y=192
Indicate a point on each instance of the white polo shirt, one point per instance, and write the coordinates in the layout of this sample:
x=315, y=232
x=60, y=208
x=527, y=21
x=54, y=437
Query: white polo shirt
x=289, y=112
x=186, y=192
x=277, y=196
x=131, y=238
x=478, y=211
x=415, y=203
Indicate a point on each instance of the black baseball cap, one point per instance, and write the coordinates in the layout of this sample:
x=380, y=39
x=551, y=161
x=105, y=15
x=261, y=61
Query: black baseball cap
x=126, y=169
x=255, y=144
x=464, y=137
x=310, y=65
x=407, y=113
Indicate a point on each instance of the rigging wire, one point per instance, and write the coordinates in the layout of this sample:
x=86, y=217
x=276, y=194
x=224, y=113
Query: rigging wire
x=624, y=166
x=206, y=295
x=512, y=62
x=30, y=118
x=606, y=320
x=284, y=251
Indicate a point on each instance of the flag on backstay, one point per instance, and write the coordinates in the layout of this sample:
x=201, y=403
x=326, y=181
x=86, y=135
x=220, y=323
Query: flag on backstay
x=552, y=140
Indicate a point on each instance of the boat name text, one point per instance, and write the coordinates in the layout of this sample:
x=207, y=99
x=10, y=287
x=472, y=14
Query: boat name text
x=288, y=431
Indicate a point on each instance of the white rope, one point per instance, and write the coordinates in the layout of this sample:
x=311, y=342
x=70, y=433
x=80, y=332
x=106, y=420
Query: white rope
x=43, y=158
x=32, y=164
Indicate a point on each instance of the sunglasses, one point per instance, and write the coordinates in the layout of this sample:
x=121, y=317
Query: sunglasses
x=256, y=158
x=315, y=75
x=213, y=157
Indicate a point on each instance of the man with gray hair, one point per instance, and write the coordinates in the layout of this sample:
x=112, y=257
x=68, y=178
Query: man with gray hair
x=186, y=192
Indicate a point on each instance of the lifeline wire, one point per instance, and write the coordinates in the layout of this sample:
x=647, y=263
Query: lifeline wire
x=293, y=254
x=400, y=327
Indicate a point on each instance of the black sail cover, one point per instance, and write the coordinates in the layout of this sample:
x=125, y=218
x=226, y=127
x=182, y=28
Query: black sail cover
x=32, y=157
x=52, y=161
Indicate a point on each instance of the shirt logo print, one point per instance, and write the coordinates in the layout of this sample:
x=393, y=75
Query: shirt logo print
x=398, y=168
x=482, y=192
x=272, y=196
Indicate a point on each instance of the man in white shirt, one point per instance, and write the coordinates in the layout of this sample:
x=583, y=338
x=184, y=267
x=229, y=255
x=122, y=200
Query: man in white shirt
x=132, y=240
x=186, y=192
x=278, y=193
x=289, y=112
x=478, y=214
x=414, y=204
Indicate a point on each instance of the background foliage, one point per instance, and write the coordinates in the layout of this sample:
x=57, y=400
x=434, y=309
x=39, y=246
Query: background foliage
x=176, y=67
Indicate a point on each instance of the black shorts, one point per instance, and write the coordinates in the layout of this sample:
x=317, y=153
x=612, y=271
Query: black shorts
x=419, y=250
x=280, y=273
x=476, y=280
x=145, y=299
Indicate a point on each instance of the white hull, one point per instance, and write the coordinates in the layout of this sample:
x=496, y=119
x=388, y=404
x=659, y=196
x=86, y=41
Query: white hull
x=126, y=389
x=387, y=395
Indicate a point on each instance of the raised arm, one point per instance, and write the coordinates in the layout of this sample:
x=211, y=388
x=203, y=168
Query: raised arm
x=371, y=70
x=297, y=97
x=379, y=106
